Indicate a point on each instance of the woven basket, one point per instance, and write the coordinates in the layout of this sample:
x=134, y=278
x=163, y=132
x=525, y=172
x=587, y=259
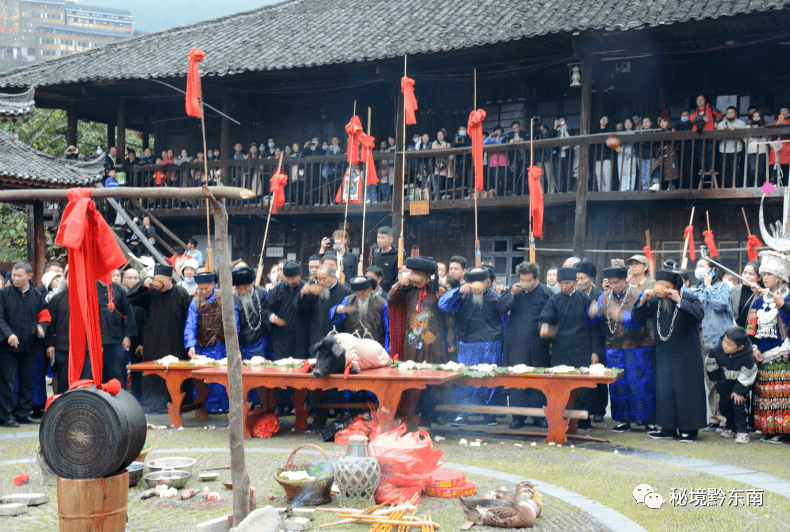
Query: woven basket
x=320, y=487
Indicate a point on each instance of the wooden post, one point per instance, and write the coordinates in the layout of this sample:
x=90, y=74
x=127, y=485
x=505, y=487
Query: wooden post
x=147, y=132
x=397, y=185
x=580, y=223
x=71, y=124
x=31, y=234
x=239, y=477
x=110, y=136
x=40, y=244
x=120, y=141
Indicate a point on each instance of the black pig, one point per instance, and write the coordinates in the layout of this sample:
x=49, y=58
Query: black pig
x=330, y=358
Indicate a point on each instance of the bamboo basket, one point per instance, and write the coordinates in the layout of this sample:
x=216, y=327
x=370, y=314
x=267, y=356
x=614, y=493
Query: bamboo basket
x=320, y=486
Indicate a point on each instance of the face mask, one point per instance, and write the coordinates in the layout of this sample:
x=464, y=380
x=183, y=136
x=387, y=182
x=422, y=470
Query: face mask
x=273, y=277
x=325, y=147
x=684, y=119
x=462, y=133
x=315, y=143
x=271, y=144
x=700, y=272
x=337, y=248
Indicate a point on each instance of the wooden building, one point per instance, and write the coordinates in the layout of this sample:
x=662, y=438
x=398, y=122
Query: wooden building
x=297, y=69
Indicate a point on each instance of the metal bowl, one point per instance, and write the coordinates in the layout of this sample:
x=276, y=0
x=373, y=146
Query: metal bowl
x=173, y=462
x=173, y=478
x=135, y=470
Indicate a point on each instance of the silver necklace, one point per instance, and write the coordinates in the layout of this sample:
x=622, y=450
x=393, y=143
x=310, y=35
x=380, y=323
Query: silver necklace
x=622, y=304
x=260, y=317
x=658, y=323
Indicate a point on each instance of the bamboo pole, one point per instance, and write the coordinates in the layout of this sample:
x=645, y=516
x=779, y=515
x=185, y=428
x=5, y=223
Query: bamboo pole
x=209, y=262
x=531, y=164
x=361, y=264
x=748, y=231
x=478, y=261
x=684, y=260
x=259, y=274
x=403, y=177
x=707, y=217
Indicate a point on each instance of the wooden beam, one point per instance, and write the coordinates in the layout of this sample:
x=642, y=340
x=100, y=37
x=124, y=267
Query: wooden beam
x=40, y=244
x=580, y=222
x=71, y=124
x=129, y=192
x=120, y=141
x=510, y=410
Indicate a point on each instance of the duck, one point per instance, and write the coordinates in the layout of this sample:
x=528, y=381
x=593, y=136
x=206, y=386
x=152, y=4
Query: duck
x=503, y=509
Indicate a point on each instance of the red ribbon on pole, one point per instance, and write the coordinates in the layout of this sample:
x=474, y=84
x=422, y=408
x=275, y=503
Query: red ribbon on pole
x=93, y=255
x=751, y=247
x=196, y=55
x=475, y=130
x=354, y=130
x=536, y=200
x=277, y=187
x=409, y=101
x=368, y=145
x=689, y=232
x=712, y=251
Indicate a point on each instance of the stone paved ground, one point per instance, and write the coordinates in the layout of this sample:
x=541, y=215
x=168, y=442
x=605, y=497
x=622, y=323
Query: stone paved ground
x=587, y=486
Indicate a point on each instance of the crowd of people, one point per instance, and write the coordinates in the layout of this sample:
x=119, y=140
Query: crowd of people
x=698, y=350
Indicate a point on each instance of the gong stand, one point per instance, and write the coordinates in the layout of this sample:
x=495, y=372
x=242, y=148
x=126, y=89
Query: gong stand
x=214, y=195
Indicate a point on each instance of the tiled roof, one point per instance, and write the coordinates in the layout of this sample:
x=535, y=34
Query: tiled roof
x=17, y=106
x=25, y=165
x=306, y=33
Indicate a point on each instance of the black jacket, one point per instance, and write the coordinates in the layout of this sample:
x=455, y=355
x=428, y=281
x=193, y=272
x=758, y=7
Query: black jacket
x=739, y=367
x=388, y=262
x=118, y=323
x=58, y=333
x=19, y=315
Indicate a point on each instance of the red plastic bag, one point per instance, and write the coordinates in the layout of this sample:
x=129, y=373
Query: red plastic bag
x=263, y=424
x=386, y=492
x=367, y=424
x=406, y=460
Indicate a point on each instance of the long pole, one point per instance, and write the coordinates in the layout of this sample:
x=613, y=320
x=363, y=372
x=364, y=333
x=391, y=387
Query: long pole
x=478, y=262
x=209, y=263
x=746, y=221
x=259, y=274
x=403, y=177
x=361, y=264
x=684, y=261
x=346, y=196
x=531, y=164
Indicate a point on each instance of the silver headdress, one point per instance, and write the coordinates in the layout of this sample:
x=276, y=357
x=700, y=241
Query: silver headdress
x=776, y=262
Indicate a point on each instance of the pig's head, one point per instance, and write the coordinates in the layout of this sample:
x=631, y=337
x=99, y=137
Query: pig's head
x=330, y=357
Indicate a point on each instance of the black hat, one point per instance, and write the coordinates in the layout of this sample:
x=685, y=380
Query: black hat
x=422, y=264
x=672, y=277
x=205, y=278
x=615, y=271
x=566, y=274
x=476, y=274
x=243, y=275
x=163, y=269
x=292, y=268
x=360, y=283
x=586, y=268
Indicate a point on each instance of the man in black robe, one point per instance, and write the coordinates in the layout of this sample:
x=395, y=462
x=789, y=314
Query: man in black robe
x=574, y=340
x=254, y=328
x=680, y=383
x=166, y=306
x=585, y=283
x=117, y=327
x=523, y=344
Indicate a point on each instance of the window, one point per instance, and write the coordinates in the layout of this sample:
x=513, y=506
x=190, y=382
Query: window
x=505, y=253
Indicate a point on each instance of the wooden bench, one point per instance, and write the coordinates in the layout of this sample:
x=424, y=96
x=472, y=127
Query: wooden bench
x=560, y=390
x=174, y=376
x=387, y=383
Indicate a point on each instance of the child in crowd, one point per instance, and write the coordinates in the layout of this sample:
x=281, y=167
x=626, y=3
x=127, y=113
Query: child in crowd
x=732, y=367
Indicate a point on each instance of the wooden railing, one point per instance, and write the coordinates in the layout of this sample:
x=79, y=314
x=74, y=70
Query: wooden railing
x=683, y=161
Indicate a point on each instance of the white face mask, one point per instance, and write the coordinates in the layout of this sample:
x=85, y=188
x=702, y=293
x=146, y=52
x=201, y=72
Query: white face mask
x=273, y=277
x=684, y=119
x=462, y=133
x=699, y=273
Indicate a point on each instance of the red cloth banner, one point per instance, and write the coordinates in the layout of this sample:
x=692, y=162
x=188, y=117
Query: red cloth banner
x=368, y=145
x=93, y=255
x=196, y=55
x=536, y=201
x=277, y=187
x=354, y=130
x=751, y=247
x=689, y=232
x=475, y=130
x=652, y=258
x=712, y=251
x=409, y=101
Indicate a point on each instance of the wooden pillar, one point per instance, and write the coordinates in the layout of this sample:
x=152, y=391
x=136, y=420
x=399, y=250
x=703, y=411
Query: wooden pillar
x=31, y=235
x=146, y=132
x=397, y=185
x=40, y=243
x=120, y=142
x=580, y=223
x=110, y=134
x=71, y=124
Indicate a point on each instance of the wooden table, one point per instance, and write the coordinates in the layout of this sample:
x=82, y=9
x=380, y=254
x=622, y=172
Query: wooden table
x=560, y=390
x=387, y=383
x=174, y=376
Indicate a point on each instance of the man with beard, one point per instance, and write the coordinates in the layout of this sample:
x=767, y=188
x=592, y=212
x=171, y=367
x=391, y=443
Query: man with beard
x=364, y=312
x=523, y=344
x=418, y=328
x=254, y=329
x=478, y=325
x=204, y=333
x=629, y=346
x=585, y=283
x=166, y=306
x=575, y=342
x=289, y=323
x=680, y=384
